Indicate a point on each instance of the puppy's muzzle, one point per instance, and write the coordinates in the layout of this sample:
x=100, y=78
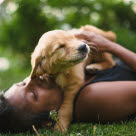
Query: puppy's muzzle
x=83, y=48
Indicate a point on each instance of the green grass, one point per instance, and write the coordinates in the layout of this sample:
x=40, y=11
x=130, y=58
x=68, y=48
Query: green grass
x=84, y=129
x=19, y=70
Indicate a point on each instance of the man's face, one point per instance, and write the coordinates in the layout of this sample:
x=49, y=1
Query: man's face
x=34, y=96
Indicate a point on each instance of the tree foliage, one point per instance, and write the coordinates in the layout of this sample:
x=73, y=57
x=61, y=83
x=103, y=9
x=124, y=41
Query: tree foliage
x=22, y=28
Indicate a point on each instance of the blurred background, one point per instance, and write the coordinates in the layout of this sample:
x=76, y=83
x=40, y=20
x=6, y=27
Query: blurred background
x=22, y=22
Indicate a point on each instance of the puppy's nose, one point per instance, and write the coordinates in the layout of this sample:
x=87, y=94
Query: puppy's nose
x=83, y=48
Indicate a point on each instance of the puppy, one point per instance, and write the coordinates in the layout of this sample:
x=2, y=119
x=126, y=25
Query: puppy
x=60, y=55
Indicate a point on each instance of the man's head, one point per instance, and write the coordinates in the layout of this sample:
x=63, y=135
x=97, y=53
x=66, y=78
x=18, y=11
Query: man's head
x=28, y=103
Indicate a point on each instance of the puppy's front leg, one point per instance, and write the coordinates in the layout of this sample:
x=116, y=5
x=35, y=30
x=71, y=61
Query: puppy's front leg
x=104, y=61
x=66, y=109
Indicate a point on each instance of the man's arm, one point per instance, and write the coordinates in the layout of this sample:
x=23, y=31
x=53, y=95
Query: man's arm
x=105, y=45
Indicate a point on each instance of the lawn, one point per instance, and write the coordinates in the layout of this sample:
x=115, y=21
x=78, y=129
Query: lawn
x=18, y=70
x=84, y=129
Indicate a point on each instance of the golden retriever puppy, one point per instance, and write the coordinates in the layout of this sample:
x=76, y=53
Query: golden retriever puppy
x=63, y=57
x=59, y=54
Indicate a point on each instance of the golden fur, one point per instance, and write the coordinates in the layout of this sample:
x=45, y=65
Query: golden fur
x=57, y=54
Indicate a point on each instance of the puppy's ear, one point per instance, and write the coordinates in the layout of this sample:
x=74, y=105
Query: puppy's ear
x=33, y=73
x=111, y=36
x=36, y=66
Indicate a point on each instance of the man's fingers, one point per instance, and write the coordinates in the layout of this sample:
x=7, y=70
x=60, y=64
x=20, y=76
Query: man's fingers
x=85, y=35
x=93, y=46
x=91, y=43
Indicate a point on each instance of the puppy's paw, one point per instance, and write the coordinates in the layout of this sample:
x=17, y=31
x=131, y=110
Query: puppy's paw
x=92, y=69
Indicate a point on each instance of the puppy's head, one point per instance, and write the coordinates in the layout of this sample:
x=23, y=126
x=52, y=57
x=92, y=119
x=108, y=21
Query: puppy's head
x=56, y=51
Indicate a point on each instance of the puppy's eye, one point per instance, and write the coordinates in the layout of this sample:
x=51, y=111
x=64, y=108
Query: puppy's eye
x=59, y=47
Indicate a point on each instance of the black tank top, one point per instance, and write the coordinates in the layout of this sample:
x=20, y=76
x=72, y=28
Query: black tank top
x=120, y=72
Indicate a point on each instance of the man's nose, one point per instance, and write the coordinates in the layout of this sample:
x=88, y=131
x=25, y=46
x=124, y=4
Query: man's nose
x=83, y=48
